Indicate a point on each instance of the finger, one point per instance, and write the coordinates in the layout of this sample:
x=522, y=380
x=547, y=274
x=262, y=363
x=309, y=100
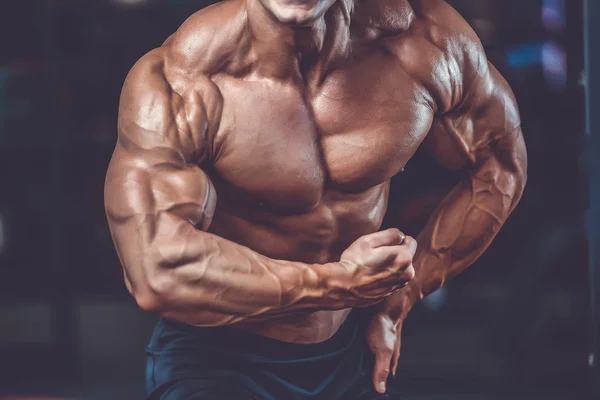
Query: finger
x=383, y=256
x=381, y=370
x=388, y=237
x=411, y=243
x=395, y=356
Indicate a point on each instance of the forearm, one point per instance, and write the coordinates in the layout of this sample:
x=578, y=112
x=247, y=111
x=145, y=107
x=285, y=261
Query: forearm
x=459, y=231
x=477, y=129
x=203, y=279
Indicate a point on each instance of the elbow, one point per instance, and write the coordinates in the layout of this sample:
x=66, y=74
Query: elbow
x=158, y=295
x=155, y=293
x=155, y=303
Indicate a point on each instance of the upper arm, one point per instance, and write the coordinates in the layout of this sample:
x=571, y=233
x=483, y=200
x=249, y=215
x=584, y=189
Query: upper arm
x=154, y=186
x=477, y=119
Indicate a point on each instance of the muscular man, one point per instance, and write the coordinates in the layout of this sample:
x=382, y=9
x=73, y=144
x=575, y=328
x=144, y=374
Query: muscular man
x=251, y=177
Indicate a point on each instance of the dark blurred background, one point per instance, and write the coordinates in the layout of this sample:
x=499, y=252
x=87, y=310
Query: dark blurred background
x=515, y=325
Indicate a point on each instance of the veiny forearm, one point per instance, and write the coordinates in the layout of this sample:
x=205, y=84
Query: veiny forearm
x=203, y=279
x=477, y=130
x=460, y=230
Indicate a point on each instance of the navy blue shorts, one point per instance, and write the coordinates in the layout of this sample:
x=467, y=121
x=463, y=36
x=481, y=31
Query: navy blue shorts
x=191, y=363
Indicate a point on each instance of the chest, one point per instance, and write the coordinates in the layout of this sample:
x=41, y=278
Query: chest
x=287, y=144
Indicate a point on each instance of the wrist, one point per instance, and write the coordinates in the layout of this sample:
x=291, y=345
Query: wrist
x=398, y=305
x=301, y=285
x=334, y=289
x=319, y=282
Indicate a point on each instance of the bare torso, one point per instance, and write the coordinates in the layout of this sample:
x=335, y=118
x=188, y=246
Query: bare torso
x=324, y=142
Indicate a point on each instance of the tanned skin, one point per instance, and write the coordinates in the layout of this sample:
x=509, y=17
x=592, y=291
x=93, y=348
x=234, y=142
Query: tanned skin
x=256, y=146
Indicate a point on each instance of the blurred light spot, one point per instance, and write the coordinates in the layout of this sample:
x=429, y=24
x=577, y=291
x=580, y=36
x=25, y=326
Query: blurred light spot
x=525, y=56
x=436, y=300
x=554, y=61
x=553, y=15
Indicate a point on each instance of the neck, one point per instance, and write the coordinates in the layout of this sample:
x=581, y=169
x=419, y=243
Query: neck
x=281, y=48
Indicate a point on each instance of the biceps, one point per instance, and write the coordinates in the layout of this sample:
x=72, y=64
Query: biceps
x=184, y=192
x=140, y=191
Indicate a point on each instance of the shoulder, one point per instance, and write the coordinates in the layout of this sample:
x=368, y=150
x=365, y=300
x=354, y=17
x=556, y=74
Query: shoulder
x=146, y=94
x=444, y=27
x=208, y=40
x=436, y=20
x=191, y=55
x=154, y=114
x=440, y=50
x=173, y=82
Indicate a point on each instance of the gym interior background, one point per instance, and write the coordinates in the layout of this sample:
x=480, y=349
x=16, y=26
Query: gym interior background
x=516, y=325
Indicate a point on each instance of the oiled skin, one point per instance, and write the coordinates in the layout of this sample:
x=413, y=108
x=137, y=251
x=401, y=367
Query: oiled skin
x=252, y=154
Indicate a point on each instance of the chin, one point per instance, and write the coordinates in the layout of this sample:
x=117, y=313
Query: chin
x=300, y=12
x=296, y=17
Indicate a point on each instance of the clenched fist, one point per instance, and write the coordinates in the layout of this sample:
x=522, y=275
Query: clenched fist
x=373, y=267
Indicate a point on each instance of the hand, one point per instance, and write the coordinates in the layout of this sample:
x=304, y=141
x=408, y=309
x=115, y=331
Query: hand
x=383, y=337
x=376, y=266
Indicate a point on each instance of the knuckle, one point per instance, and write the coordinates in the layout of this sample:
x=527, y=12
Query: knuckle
x=394, y=231
x=396, y=236
x=366, y=241
x=409, y=273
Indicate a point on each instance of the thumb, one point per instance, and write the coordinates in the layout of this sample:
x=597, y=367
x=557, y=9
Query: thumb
x=381, y=370
x=395, y=357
